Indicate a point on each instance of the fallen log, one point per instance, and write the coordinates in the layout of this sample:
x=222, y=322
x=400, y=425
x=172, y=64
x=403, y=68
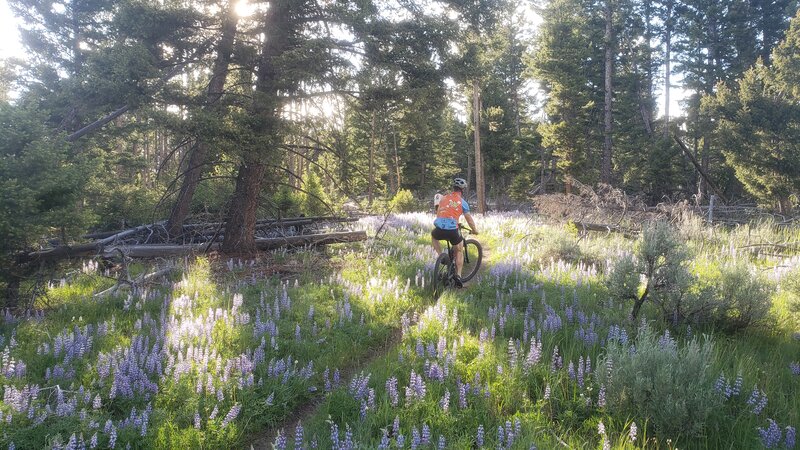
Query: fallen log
x=167, y=250
x=586, y=226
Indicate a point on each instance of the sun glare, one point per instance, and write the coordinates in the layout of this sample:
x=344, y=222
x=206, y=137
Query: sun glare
x=245, y=9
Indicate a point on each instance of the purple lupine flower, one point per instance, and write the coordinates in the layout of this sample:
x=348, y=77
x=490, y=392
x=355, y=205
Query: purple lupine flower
x=371, y=398
x=571, y=370
x=280, y=441
x=737, y=385
x=500, y=438
x=93, y=441
x=479, y=436
x=400, y=441
x=363, y=410
x=771, y=436
x=298, y=432
x=444, y=403
x=112, y=437
x=426, y=434
x=97, y=403
x=517, y=427
x=442, y=443
x=462, y=395
x=396, y=426
x=384, y=445
x=632, y=432
x=790, y=437
x=547, y=392
x=795, y=368
x=391, y=390
x=601, y=396
x=335, y=436
x=415, y=438
x=509, y=434
x=214, y=412
x=196, y=420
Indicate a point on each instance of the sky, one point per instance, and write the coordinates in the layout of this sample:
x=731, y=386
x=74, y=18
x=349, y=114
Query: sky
x=9, y=38
x=10, y=47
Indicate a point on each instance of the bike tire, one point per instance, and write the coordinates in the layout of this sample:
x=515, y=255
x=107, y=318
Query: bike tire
x=441, y=274
x=473, y=256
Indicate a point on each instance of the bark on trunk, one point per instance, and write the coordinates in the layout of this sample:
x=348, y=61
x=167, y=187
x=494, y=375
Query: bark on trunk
x=605, y=168
x=201, y=152
x=371, y=178
x=479, y=181
x=667, y=61
x=241, y=220
x=240, y=226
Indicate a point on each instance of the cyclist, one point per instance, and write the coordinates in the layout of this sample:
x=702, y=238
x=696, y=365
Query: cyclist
x=450, y=209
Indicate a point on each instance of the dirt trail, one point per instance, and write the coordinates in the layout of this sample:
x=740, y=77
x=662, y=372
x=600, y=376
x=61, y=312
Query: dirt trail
x=265, y=439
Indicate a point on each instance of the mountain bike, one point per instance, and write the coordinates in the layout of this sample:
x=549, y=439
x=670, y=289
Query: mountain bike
x=445, y=269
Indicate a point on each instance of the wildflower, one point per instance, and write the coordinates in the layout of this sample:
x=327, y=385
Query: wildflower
x=384, y=445
x=500, y=437
x=790, y=437
x=632, y=432
x=298, y=433
x=479, y=437
x=795, y=368
x=547, y=392
x=442, y=443
x=280, y=441
x=416, y=440
x=771, y=436
x=601, y=396
x=444, y=403
x=391, y=389
x=400, y=441
x=197, y=420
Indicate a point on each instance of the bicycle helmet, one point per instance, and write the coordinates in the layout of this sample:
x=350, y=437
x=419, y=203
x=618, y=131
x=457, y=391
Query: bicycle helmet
x=460, y=183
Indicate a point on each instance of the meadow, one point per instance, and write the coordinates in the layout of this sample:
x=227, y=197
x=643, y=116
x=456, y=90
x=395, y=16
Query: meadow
x=347, y=347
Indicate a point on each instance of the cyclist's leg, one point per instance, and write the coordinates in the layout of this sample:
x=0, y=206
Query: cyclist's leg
x=437, y=246
x=458, y=254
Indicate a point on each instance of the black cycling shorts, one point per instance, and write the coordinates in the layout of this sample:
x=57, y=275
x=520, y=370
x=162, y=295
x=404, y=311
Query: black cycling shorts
x=451, y=236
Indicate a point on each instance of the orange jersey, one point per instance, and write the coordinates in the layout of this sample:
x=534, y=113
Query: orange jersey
x=450, y=207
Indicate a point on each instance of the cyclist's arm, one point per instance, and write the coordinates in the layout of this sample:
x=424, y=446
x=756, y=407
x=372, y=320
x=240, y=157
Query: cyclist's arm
x=471, y=223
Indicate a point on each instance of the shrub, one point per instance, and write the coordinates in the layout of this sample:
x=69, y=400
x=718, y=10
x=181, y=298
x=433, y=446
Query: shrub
x=561, y=244
x=403, y=201
x=660, y=259
x=741, y=298
x=670, y=387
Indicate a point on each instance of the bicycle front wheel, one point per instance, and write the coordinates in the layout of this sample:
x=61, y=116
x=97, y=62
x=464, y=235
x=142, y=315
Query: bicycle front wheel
x=473, y=256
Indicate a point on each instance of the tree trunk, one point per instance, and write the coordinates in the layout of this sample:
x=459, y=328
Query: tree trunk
x=371, y=177
x=241, y=220
x=396, y=162
x=240, y=225
x=201, y=151
x=667, y=61
x=605, y=167
x=476, y=113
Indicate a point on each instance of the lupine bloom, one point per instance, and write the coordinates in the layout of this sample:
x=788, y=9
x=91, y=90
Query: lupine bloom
x=384, y=445
x=391, y=390
x=426, y=435
x=500, y=437
x=547, y=392
x=790, y=437
x=632, y=432
x=479, y=437
x=795, y=368
x=444, y=403
x=298, y=432
x=363, y=410
x=601, y=396
x=771, y=436
x=442, y=443
x=280, y=441
x=416, y=439
x=400, y=441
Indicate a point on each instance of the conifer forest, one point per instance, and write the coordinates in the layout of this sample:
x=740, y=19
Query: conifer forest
x=216, y=218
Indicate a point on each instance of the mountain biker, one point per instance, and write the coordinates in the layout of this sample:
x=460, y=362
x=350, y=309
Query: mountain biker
x=450, y=209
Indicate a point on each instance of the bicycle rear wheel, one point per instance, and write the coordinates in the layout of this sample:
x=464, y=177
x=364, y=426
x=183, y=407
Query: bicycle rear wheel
x=441, y=274
x=473, y=256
